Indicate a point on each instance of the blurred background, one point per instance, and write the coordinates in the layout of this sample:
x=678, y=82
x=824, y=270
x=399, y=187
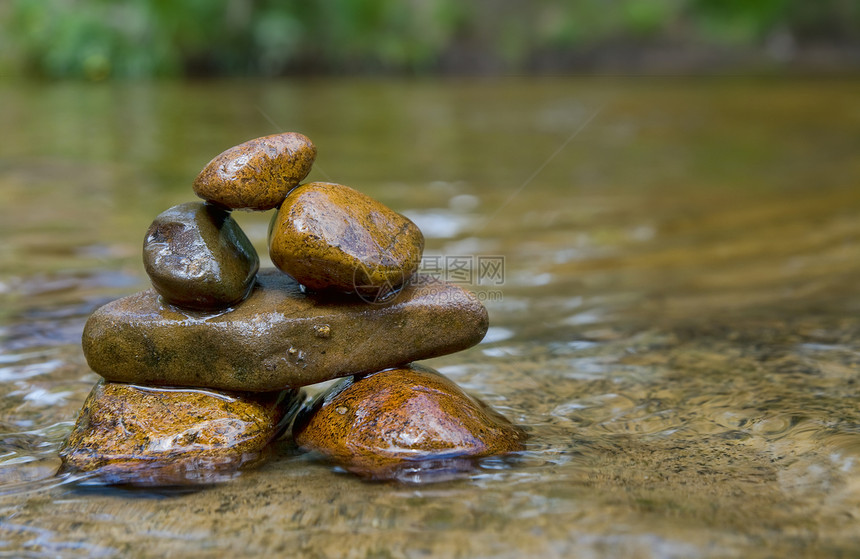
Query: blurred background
x=101, y=39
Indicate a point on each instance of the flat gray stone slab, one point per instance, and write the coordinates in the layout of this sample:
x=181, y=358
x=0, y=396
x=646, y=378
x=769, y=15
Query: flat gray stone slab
x=279, y=337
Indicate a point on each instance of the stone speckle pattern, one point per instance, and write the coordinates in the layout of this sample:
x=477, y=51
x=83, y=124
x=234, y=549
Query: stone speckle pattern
x=138, y=435
x=257, y=174
x=372, y=423
x=198, y=257
x=279, y=337
x=332, y=237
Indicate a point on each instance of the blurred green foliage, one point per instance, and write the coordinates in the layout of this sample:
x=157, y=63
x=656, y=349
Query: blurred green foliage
x=97, y=39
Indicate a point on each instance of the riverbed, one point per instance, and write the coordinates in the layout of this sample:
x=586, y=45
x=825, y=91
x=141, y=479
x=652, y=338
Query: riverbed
x=670, y=267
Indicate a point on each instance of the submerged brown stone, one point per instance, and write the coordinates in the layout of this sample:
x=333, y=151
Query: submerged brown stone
x=332, y=237
x=142, y=435
x=198, y=257
x=370, y=424
x=257, y=174
x=279, y=336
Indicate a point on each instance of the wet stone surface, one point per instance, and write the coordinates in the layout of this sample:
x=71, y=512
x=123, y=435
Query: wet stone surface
x=381, y=424
x=279, y=337
x=198, y=257
x=151, y=436
x=257, y=174
x=332, y=237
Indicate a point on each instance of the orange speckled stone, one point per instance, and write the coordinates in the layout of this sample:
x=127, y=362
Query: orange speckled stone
x=370, y=423
x=331, y=237
x=257, y=174
x=139, y=435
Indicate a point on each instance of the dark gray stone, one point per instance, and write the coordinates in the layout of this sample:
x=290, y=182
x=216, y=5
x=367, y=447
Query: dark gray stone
x=198, y=257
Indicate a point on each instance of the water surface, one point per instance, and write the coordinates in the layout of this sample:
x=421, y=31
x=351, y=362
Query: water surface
x=677, y=325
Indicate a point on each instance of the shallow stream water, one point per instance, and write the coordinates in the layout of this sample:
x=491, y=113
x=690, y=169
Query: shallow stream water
x=676, y=319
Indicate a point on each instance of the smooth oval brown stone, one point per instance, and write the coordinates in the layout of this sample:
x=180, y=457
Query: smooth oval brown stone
x=139, y=435
x=198, y=257
x=332, y=237
x=257, y=174
x=370, y=423
x=279, y=336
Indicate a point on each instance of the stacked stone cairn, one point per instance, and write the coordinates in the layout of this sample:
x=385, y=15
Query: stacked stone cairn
x=204, y=371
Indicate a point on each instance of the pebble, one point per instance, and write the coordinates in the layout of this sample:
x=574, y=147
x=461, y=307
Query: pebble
x=257, y=174
x=280, y=336
x=198, y=257
x=331, y=237
x=374, y=423
x=152, y=436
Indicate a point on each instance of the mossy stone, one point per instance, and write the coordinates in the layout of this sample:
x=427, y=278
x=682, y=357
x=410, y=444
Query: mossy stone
x=331, y=237
x=257, y=174
x=198, y=257
x=143, y=435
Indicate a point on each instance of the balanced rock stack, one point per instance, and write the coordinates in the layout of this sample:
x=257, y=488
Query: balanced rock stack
x=204, y=371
